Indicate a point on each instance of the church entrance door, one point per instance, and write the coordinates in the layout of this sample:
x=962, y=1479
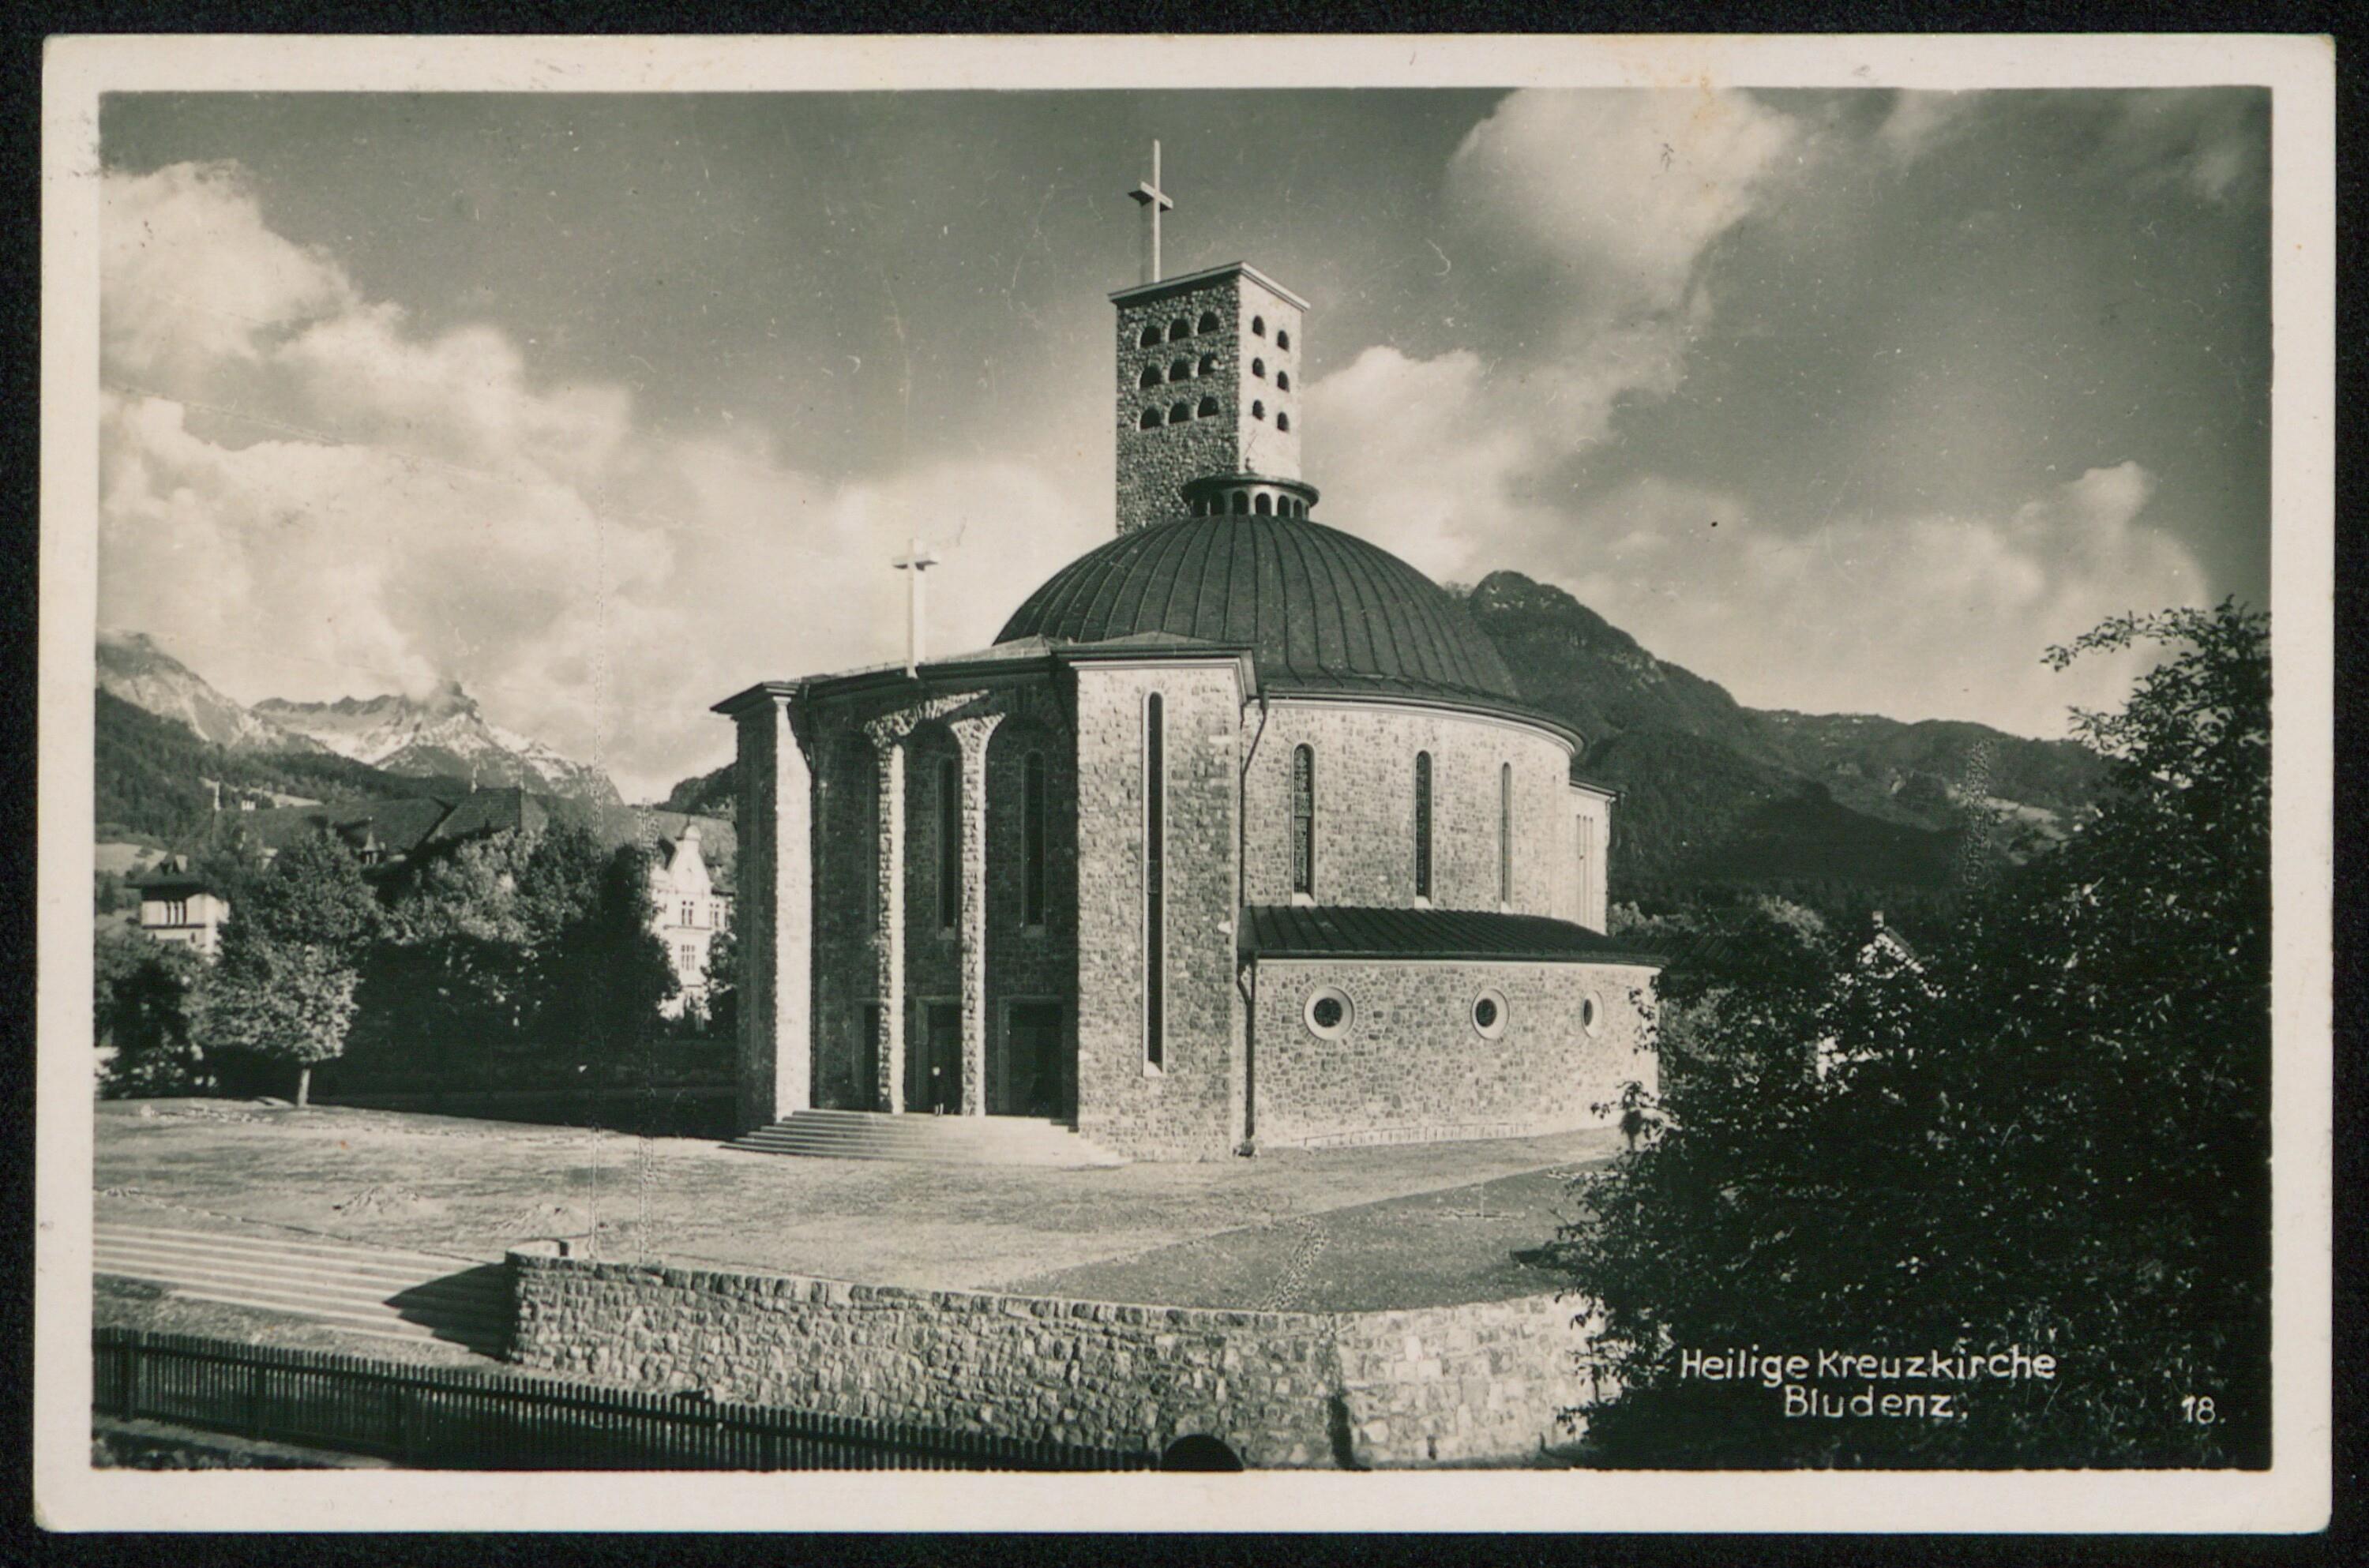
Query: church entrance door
x=935, y=1074
x=1028, y=1078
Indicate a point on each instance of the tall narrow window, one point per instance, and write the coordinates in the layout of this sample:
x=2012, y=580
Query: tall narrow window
x=1423, y=824
x=1155, y=884
x=1032, y=834
x=1303, y=821
x=1587, y=906
x=949, y=842
x=1506, y=833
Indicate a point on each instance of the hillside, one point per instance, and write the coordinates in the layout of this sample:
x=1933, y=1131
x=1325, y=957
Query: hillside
x=1717, y=794
x=131, y=666
x=151, y=774
x=710, y=794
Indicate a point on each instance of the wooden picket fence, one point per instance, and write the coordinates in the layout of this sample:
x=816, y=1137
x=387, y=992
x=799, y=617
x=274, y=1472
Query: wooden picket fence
x=458, y=1418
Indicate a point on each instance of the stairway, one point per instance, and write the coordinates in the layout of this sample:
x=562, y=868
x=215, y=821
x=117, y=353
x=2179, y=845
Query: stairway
x=927, y=1140
x=365, y=1291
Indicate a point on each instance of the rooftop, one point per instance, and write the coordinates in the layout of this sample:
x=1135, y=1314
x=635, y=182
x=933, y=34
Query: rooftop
x=1286, y=931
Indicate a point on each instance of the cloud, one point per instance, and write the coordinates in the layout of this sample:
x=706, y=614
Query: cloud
x=1916, y=617
x=303, y=495
x=2213, y=146
x=1612, y=201
x=1620, y=192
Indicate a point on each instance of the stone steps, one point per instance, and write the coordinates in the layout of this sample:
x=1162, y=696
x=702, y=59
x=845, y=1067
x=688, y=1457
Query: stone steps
x=382, y=1293
x=927, y=1140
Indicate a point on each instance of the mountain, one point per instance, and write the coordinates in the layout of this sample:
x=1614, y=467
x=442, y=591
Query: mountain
x=153, y=775
x=711, y=793
x=131, y=666
x=1720, y=793
x=443, y=734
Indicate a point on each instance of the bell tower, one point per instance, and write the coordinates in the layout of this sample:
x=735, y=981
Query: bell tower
x=1207, y=378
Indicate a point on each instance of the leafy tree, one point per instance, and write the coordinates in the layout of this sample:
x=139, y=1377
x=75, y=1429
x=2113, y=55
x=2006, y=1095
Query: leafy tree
x=608, y=970
x=722, y=1001
x=2051, y=1131
x=141, y=1010
x=283, y=990
x=454, y=970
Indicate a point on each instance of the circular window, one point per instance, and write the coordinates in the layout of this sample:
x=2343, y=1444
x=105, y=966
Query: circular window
x=1489, y=1014
x=1590, y=1014
x=1328, y=1012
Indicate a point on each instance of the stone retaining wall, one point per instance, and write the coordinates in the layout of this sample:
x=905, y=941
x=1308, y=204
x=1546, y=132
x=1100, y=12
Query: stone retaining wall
x=1478, y=1382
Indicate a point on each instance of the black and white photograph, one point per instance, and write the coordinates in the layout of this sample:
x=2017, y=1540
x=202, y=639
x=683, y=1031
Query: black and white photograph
x=1036, y=767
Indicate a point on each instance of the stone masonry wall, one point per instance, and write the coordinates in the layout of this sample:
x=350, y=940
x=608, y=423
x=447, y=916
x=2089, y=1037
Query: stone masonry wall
x=1465, y=1384
x=1365, y=807
x=1153, y=465
x=1188, y=1107
x=1411, y=1067
x=775, y=809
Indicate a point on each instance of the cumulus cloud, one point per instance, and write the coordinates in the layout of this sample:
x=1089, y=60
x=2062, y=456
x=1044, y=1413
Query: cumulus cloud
x=304, y=495
x=1620, y=192
x=1610, y=200
x=1464, y=465
x=1919, y=617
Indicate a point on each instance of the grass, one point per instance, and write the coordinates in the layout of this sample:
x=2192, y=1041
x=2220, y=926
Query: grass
x=1224, y=1232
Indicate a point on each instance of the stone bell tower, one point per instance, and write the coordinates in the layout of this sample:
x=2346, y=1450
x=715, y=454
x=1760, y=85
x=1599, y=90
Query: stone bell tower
x=1208, y=378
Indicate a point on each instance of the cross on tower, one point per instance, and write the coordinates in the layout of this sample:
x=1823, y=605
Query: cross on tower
x=916, y=561
x=1155, y=201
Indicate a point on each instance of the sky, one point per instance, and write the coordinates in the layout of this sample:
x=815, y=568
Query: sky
x=609, y=407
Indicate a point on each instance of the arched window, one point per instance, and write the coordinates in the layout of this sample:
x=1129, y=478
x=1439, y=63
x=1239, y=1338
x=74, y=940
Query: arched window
x=1208, y=321
x=1282, y=338
x=1282, y=419
x=1208, y=406
x=1208, y=364
x=1179, y=330
x=1258, y=410
x=1283, y=381
x=1181, y=370
x=1155, y=883
x=1151, y=339
x=1506, y=833
x=1031, y=838
x=1181, y=413
x=1265, y=508
x=1258, y=369
x=1423, y=824
x=1151, y=376
x=1303, y=821
x=949, y=842
x=1242, y=503
x=1150, y=420
x=1258, y=327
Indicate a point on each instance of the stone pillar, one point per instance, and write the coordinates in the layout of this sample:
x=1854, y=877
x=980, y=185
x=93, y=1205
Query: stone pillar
x=888, y=940
x=972, y=734
x=774, y=911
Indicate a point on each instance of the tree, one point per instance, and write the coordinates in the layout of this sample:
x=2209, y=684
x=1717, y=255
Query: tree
x=283, y=990
x=2051, y=1131
x=454, y=970
x=721, y=1002
x=141, y=1009
x=281, y=1003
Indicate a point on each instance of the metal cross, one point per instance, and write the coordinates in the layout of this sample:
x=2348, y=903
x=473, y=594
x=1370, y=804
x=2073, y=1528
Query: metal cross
x=917, y=561
x=1155, y=201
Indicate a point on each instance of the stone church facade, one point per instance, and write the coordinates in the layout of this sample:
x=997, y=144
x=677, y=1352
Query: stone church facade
x=1239, y=836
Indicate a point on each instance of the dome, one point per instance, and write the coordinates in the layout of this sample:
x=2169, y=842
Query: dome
x=1322, y=610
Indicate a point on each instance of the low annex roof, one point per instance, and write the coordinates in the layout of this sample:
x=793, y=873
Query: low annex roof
x=1286, y=930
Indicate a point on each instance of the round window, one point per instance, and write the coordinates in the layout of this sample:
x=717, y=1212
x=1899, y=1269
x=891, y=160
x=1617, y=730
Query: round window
x=1328, y=1013
x=1590, y=1014
x=1489, y=1014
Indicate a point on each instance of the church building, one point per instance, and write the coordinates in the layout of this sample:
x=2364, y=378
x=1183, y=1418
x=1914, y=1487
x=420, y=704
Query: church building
x=1240, y=836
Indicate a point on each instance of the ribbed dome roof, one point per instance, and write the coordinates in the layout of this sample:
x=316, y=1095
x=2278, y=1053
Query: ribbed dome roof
x=1323, y=610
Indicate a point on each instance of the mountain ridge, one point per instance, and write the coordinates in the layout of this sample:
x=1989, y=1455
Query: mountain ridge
x=443, y=735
